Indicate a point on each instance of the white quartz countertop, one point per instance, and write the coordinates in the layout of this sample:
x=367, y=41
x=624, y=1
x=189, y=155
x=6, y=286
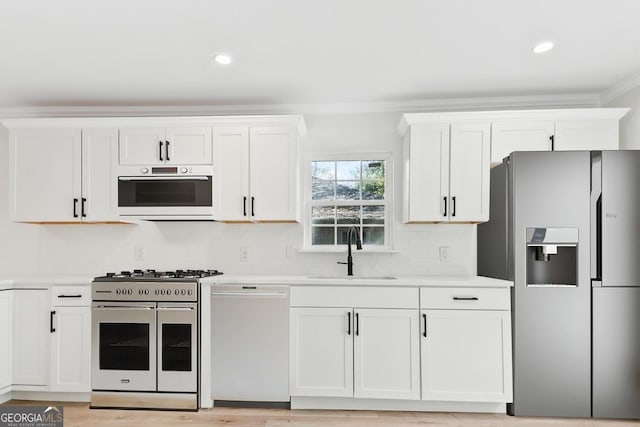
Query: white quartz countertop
x=44, y=281
x=400, y=281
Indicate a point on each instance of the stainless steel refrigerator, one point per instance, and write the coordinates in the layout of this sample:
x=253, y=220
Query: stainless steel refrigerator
x=565, y=227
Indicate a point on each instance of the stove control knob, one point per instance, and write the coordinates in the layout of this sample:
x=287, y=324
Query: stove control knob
x=184, y=170
x=144, y=170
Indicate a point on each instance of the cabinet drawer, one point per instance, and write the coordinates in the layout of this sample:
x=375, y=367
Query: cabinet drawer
x=66, y=296
x=353, y=296
x=465, y=298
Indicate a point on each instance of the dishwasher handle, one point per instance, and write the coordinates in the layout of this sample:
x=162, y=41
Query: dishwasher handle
x=265, y=294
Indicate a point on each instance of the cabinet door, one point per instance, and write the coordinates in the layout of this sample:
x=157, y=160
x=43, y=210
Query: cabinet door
x=386, y=354
x=507, y=137
x=587, y=135
x=30, y=337
x=6, y=322
x=142, y=146
x=231, y=168
x=466, y=356
x=273, y=174
x=189, y=146
x=99, y=180
x=469, y=173
x=426, y=173
x=71, y=349
x=45, y=174
x=321, y=352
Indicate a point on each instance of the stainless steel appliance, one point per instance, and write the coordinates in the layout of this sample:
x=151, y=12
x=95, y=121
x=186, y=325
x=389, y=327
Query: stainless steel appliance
x=145, y=334
x=166, y=192
x=564, y=227
x=250, y=345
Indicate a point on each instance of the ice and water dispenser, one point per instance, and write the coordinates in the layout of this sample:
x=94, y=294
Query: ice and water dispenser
x=552, y=257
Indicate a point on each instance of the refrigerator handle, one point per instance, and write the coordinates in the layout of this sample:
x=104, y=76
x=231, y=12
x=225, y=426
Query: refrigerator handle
x=596, y=216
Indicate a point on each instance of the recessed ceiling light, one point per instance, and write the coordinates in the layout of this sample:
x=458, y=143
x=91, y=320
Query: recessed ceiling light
x=543, y=47
x=223, y=59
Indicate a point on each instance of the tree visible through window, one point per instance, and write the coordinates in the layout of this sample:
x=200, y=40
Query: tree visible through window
x=346, y=193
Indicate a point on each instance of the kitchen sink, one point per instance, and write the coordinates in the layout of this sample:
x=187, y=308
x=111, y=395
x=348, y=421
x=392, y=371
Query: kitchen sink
x=353, y=277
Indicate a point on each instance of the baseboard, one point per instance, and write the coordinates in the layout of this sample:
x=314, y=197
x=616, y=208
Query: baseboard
x=5, y=396
x=348, y=403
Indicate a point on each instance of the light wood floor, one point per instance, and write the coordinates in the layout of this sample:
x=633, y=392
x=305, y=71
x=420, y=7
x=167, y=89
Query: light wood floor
x=79, y=415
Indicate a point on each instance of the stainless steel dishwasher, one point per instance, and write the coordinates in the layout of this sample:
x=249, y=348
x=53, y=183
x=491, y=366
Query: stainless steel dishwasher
x=250, y=345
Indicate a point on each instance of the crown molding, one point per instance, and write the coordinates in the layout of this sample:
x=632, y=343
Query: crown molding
x=620, y=88
x=424, y=105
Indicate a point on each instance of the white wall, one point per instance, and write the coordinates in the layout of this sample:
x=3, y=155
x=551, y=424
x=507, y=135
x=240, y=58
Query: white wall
x=273, y=248
x=630, y=124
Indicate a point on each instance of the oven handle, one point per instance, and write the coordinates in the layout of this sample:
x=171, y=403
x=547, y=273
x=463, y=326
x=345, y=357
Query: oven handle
x=175, y=308
x=163, y=178
x=124, y=307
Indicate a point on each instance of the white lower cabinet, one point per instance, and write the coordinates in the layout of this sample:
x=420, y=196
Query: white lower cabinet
x=30, y=337
x=386, y=354
x=70, y=339
x=348, y=351
x=465, y=356
x=6, y=323
x=321, y=346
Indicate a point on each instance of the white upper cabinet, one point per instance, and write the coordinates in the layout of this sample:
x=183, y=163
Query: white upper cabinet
x=446, y=172
x=586, y=135
x=256, y=173
x=158, y=146
x=520, y=135
x=62, y=175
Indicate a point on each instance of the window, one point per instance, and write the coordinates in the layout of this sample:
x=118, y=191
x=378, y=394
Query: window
x=345, y=193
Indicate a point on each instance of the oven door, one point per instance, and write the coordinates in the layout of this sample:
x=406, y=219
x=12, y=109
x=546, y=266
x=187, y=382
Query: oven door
x=165, y=195
x=123, y=346
x=178, y=347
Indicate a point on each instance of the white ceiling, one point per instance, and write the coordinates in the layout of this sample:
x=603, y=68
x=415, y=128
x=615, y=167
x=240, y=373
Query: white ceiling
x=158, y=52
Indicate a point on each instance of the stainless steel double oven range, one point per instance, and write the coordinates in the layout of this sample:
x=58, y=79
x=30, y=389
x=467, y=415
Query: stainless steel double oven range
x=145, y=339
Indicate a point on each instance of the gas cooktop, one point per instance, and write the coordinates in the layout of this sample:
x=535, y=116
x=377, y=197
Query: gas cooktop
x=153, y=275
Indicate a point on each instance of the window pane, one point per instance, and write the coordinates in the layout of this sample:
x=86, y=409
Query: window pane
x=342, y=236
x=323, y=170
x=322, y=236
x=373, y=190
x=373, y=214
x=348, y=170
x=323, y=215
x=373, y=169
x=348, y=190
x=373, y=235
x=348, y=215
x=322, y=190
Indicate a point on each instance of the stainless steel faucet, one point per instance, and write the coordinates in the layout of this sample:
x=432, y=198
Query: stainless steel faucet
x=350, y=233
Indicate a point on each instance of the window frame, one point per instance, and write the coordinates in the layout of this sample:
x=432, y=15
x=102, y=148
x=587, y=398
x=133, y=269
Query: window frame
x=387, y=157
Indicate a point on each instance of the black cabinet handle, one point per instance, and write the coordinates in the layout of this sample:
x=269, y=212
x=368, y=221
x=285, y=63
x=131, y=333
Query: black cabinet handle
x=552, y=138
x=166, y=150
x=424, y=319
x=453, y=206
x=253, y=202
x=160, y=151
x=445, y=206
x=82, y=208
x=51, y=328
x=357, y=325
x=349, y=323
x=69, y=296
x=465, y=298
x=75, y=208
x=244, y=206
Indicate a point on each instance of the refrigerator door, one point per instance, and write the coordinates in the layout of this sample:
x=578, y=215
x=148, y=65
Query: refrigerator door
x=616, y=352
x=620, y=218
x=551, y=324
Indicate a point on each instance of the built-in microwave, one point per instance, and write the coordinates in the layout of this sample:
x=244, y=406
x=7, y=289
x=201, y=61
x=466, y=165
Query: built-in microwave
x=166, y=192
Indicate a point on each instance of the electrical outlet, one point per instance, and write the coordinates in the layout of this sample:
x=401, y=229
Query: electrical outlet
x=444, y=253
x=289, y=251
x=244, y=254
x=139, y=253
